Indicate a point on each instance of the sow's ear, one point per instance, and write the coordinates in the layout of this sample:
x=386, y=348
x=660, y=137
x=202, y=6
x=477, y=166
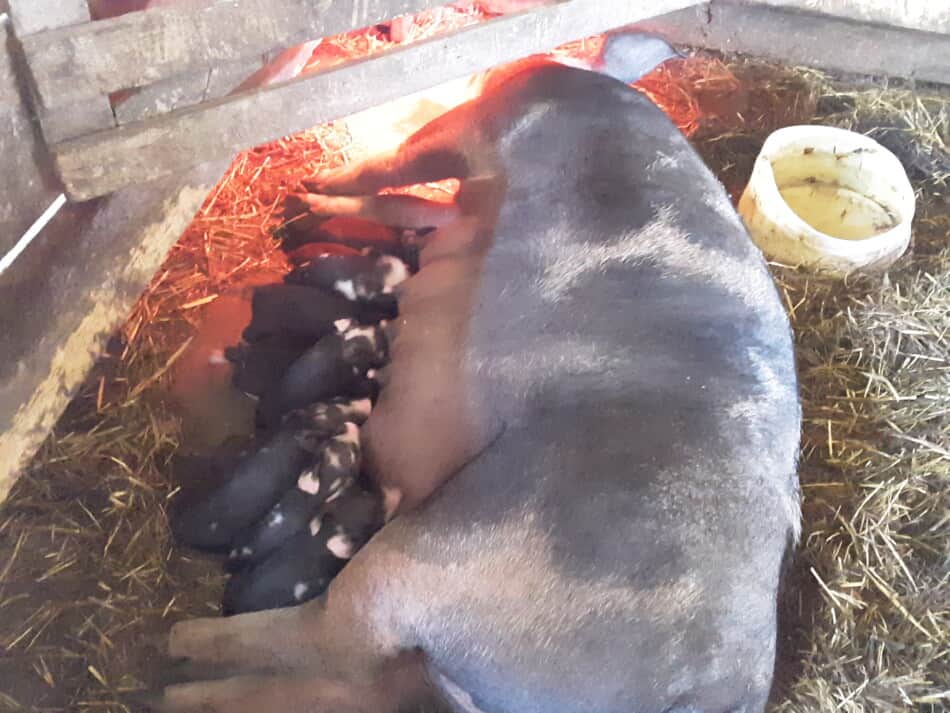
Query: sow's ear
x=629, y=55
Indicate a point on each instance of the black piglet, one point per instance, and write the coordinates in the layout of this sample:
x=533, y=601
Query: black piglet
x=300, y=312
x=366, y=277
x=336, y=365
x=334, y=470
x=304, y=566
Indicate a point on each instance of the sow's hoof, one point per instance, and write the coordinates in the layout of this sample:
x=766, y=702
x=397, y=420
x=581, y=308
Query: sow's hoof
x=304, y=566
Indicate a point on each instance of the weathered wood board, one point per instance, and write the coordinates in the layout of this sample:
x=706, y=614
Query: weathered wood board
x=180, y=92
x=28, y=183
x=40, y=15
x=100, y=163
x=823, y=41
x=924, y=15
x=140, y=48
x=93, y=111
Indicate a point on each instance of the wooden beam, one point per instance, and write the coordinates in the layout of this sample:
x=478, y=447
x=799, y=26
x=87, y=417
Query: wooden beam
x=140, y=48
x=97, y=164
x=35, y=16
x=923, y=15
x=28, y=183
x=213, y=82
x=180, y=92
x=79, y=119
x=10, y=82
x=808, y=39
x=75, y=118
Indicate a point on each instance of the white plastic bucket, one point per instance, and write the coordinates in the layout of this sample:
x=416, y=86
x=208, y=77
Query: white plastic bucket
x=828, y=199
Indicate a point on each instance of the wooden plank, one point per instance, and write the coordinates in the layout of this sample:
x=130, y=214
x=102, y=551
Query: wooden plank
x=214, y=82
x=809, y=39
x=28, y=183
x=101, y=163
x=91, y=113
x=73, y=286
x=180, y=92
x=38, y=15
x=923, y=15
x=80, y=119
x=9, y=79
x=144, y=47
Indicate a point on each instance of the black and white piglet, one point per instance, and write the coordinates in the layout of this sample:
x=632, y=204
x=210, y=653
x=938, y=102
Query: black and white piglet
x=334, y=366
x=368, y=276
x=321, y=421
x=304, y=228
x=303, y=567
x=311, y=251
x=257, y=482
x=335, y=469
x=259, y=366
x=301, y=312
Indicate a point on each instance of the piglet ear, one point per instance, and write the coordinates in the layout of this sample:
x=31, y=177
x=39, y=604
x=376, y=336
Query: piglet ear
x=630, y=55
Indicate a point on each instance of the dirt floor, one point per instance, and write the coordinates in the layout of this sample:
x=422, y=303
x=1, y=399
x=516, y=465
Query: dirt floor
x=88, y=574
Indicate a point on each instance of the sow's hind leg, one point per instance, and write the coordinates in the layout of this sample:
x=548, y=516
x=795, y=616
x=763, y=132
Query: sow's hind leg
x=392, y=210
x=353, y=191
x=345, y=652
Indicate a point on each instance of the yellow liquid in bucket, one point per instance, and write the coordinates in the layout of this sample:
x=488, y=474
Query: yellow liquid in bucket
x=836, y=211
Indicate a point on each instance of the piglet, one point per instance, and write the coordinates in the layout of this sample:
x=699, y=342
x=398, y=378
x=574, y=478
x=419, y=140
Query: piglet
x=334, y=471
x=357, y=233
x=364, y=277
x=321, y=421
x=258, y=481
x=258, y=366
x=299, y=312
x=306, y=563
x=331, y=367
